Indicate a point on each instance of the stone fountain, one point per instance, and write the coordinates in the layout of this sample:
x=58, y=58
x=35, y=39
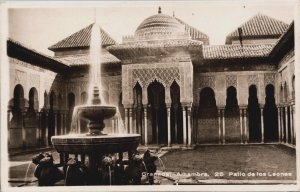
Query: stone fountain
x=96, y=143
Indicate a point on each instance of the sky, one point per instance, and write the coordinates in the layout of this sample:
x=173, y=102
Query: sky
x=40, y=26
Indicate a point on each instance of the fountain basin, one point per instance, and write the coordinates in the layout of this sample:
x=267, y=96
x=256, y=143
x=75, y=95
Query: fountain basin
x=96, y=114
x=98, y=144
x=92, y=112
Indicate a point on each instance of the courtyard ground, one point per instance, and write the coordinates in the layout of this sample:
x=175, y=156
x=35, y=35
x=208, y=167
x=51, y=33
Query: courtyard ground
x=204, y=164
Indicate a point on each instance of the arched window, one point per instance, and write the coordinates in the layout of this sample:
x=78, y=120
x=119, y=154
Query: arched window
x=18, y=98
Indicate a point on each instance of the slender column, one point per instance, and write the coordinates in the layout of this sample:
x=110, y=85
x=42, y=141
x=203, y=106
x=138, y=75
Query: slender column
x=55, y=123
x=37, y=130
x=169, y=125
x=23, y=129
x=8, y=127
x=241, y=124
x=291, y=123
x=46, y=129
x=189, y=127
x=64, y=123
x=126, y=119
x=184, y=125
x=219, y=118
x=294, y=132
x=223, y=121
x=40, y=132
x=61, y=122
x=246, y=127
x=282, y=124
x=145, y=124
x=279, y=125
x=78, y=126
x=286, y=125
x=130, y=121
x=262, y=124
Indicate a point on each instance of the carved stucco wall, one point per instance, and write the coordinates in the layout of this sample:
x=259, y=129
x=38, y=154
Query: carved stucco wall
x=111, y=87
x=286, y=73
x=165, y=73
x=30, y=76
x=220, y=81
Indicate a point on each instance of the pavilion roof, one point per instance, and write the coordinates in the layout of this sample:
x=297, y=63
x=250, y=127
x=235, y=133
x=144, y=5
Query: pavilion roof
x=194, y=32
x=236, y=51
x=82, y=38
x=83, y=59
x=259, y=26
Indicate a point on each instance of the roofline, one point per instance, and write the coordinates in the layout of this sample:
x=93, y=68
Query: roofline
x=285, y=38
x=229, y=39
x=14, y=48
x=52, y=48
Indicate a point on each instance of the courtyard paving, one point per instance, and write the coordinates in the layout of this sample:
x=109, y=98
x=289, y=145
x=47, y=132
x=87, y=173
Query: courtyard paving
x=202, y=165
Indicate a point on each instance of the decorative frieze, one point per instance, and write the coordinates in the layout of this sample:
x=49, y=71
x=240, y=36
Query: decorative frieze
x=34, y=80
x=20, y=77
x=269, y=78
x=207, y=81
x=231, y=80
x=252, y=80
x=164, y=75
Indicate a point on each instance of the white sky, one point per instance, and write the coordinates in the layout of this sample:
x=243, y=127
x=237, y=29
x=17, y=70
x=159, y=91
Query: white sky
x=39, y=27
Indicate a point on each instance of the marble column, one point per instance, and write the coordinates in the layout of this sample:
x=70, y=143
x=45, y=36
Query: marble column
x=37, y=130
x=65, y=122
x=291, y=124
x=169, y=124
x=126, y=120
x=241, y=125
x=189, y=126
x=78, y=126
x=294, y=132
x=130, y=121
x=219, y=118
x=282, y=123
x=246, y=130
x=184, y=124
x=262, y=125
x=23, y=129
x=8, y=127
x=55, y=123
x=61, y=122
x=279, y=124
x=145, y=125
x=46, y=128
x=286, y=125
x=223, y=121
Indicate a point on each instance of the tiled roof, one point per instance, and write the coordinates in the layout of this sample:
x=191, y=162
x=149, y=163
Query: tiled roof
x=18, y=50
x=83, y=59
x=260, y=25
x=236, y=51
x=195, y=33
x=82, y=38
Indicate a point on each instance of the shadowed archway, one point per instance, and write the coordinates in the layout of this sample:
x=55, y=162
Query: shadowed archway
x=270, y=116
x=158, y=113
x=232, y=114
x=208, y=130
x=254, y=121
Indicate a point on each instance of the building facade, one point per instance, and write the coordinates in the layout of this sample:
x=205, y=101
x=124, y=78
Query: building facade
x=169, y=84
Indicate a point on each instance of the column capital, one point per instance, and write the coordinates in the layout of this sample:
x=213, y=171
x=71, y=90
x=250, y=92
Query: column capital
x=186, y=104
x=128, y=106
x=221, y=107
x=145, y=106
x=243, y=107
x=168, y=105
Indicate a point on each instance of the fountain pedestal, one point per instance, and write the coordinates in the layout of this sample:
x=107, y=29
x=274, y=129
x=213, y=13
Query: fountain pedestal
x=95, y=144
